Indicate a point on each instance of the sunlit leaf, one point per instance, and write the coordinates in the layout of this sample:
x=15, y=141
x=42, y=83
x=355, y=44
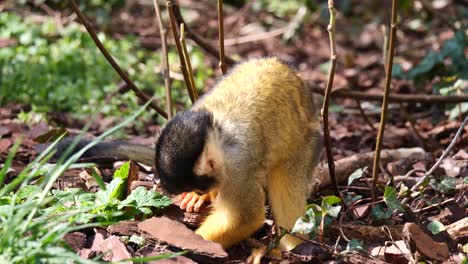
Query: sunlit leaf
x=390, y=198
x=436, y=227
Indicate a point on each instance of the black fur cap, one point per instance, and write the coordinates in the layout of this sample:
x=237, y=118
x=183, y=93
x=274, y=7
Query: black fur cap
x=177, y=149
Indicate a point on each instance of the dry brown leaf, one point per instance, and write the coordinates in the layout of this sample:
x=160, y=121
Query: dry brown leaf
x=5, y=144
x=459, y=230
x=424, y=243
x=397, y=252
x=112, y=248
x=124, y=228
x=178, y=235
x=4, y=131
x=75, y=240
x=132, y=176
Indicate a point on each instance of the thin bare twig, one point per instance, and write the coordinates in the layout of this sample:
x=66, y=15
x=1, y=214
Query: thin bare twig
x=442, y=157
x=432, y=206
x=112, y=62
x=187, y=62
x=388, y=79
x=407, y=176
x=256, y=37
x=222, y=64
x=166, y=73
x=183, y=67
x=364, y=116
x=394, y=97
x=326, y=100
x=205, y=45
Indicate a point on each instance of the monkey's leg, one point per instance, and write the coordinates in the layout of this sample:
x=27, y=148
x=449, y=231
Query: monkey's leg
x=288, y=191
x=191, y=201
x=237, y=213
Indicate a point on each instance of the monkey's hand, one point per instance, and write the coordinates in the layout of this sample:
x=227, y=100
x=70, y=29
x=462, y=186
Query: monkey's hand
x=191, y=202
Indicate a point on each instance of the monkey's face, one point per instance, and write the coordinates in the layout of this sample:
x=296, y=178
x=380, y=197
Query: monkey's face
x=180, y=144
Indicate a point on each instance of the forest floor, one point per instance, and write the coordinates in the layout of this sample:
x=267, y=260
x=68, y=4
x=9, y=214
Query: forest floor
x=420, y=128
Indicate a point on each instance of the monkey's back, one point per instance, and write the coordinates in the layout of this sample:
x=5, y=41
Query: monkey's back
x=264, y=104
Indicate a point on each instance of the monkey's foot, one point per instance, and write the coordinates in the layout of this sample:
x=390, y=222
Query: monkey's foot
x=191, y=202
x=260, y=252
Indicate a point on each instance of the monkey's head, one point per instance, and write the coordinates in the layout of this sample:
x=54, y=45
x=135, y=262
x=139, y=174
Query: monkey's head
x=179, y=148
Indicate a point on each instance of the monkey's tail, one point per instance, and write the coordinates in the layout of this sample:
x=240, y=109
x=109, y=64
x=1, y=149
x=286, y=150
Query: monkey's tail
x=113, y=149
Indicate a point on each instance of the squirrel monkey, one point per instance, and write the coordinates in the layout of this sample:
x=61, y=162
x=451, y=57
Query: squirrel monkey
x=255, y=133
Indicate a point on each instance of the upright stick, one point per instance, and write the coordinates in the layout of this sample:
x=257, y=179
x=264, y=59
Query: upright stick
x=326, y=100
x=167, y=77
x=388, y=79
x=222, y=64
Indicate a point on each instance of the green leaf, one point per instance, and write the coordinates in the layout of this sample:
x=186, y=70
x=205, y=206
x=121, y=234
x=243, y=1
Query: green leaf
x=426, y=65
x=390, y=198
x=334, y=211
x=142, y=200
x=115, y=189
x=436, y=227
x=331, y=200
x=447, y=185
x=328, y=208
x=398, y=72
x=454, y=47
x=354, y=245
x=351, y=198
x=98, y=179
x=122, y=172
x=378, y=214
x=357, y=174
x=306, y=224
x=27, y=191
x=458, y=110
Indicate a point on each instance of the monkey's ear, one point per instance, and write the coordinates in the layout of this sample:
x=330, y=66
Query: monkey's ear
x=209, y=161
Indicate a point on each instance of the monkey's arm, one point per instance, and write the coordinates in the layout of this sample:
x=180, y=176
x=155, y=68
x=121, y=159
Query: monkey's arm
x=114, y=149
x=237, y=213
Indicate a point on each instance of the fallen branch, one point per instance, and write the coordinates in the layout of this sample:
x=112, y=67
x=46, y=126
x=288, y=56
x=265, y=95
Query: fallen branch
x=458, y=230
x=346, y=166
x=256, y=37
x=394, y=97
x=112, y=62
x=366, y=233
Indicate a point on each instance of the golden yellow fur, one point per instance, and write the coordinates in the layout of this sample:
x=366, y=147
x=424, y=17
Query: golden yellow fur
x=268, y=111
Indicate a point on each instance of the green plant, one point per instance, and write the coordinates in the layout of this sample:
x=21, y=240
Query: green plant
x=34, y=218
x=379, y=213
x=108, y=204
x=450, y=65
x=435, y=227
x=317, y=217
x=31, y=231
x=61, y=70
